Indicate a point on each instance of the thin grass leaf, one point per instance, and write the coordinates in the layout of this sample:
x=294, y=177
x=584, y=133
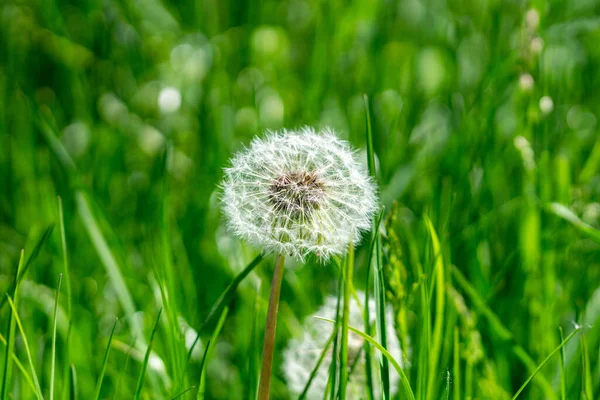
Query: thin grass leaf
x=563, y=371
x=130, y=350
x=254, y=356
x=182, y=393
x=108, y=261
x=32, y=257
x=386, y=354
x=140, y=384
x=565, y=213
x=20, y=366
x=332, y=380
x=6, y=378
x=367, y=317
x=378, y=281
x=210, y=345
x=63, y=240
x=53, y=358
x=456, y=366
x=437, y=281
x=225, y=298
x=73, y=383
x=348, y=277
x=105, y=361
x=169, y=299
x=314, y=371
x=26, y=345
x=203, y=361
x=586, y=376
x=539, y=367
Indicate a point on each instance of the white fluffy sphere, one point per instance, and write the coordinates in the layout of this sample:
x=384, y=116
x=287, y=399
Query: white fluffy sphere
x=299, y=193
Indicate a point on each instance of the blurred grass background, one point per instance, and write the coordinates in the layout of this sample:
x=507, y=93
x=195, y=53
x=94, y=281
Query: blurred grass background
x=484, y=118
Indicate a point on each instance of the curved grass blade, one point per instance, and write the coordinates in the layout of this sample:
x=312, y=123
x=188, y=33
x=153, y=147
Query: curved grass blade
x=539, y=367
x=565, y=213
x=313, y=373
x=11, y=337
x=32, y=257
x=182, y=393
x=208, y=351
x=20, y=366
x=26, y=345
x=53, y=362
x=104, y=361
x=225, y=298
x=386, y=354
x=140, y=384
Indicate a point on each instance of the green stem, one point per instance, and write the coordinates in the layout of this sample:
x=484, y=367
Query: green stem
x=269, y=341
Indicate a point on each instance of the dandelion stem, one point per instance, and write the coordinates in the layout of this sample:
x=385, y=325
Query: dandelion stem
x=269, y=341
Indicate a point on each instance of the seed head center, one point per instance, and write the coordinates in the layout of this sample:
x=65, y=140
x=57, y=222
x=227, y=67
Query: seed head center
x=296, y=193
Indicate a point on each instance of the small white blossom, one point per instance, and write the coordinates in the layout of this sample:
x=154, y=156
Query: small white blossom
x=302, y=353
x=298, y=193
x=546, y=105
x=526, y=82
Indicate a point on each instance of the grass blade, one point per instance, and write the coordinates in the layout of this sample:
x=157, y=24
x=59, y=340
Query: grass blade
x=73, y=383
x=225, y=298
x=182, y=393
x=210, y=345
x=20, y=366
x=108, y=260
x=10, y=336
x=565, y=213
x=438, y=280
x=456, y=366
x=563, y=371
x=586, y=376
x=386, y=354
x=314, y=371
x=367, y=317
x=32, y=257
x=104, y=361
x=140, y=384
x=53, y=365
x=348, y=276
x=63, y=240
x=378, y=271
x=539, y=367
x=26, y=345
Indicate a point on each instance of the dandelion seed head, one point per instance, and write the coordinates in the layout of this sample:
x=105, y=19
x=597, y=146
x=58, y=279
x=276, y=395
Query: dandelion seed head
x=302, y=353
x=299, y=193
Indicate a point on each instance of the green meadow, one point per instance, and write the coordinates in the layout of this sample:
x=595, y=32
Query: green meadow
x=120, y=279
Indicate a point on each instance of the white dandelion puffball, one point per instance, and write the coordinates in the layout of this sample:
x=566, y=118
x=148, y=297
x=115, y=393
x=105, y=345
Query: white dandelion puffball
x=298, y=193
x=301, y=354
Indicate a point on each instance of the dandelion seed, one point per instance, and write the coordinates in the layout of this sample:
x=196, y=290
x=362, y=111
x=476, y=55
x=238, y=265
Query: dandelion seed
x=301, y=354
x=299, y=193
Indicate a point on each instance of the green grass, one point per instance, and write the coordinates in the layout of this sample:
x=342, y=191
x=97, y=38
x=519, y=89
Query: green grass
x=487, y=248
